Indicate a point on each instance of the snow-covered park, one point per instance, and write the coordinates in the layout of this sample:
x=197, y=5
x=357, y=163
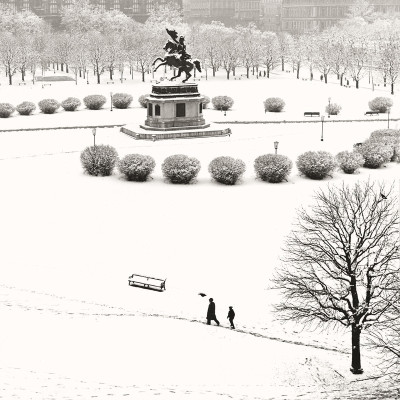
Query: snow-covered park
x=74, y=328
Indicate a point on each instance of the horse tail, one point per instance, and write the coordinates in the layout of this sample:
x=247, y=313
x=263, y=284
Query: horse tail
x=197, y=64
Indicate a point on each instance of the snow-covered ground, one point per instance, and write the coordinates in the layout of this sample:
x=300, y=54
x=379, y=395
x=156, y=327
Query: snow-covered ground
x=72, y=327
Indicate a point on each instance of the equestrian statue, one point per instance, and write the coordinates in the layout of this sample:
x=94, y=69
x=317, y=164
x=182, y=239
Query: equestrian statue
x=177, y=57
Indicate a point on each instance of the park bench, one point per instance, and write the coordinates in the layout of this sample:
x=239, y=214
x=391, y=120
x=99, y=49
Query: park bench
x=45, y=84
x=147, y=282
x=112, y=82
x=154, y=81
x=237, y=78
x=311, y=114
x=371, y=113
x=21, y=83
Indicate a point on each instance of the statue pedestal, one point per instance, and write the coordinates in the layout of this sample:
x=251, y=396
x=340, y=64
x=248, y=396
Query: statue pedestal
x=174, y=110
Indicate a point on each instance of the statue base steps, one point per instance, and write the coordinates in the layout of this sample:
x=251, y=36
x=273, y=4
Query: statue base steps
x=138, y=133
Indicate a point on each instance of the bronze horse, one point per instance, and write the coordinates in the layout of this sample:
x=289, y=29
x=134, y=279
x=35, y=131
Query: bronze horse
x=175, y=60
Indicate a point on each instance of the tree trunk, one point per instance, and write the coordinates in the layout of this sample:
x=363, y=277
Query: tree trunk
x=233, y=71
x=392, y=88
x=311, y=74
x=143, y=75
x=268, y=71
x=355, y=350
x=247, y=72
x=57, y=65
x=357, y=82
x=252, y=72
x=9, y=77
x=326, y=78
x=23, y=75
x=384, y=81
x=213, y=72
x=341, y=79
x=227, y=74
x=110, y=74
x=283, y=63
x=298, y=71
x=62, y=67
x=98, y=78
x=66, y=68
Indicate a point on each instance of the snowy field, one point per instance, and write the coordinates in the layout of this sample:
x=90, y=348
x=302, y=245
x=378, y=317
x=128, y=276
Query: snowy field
x=73, y=326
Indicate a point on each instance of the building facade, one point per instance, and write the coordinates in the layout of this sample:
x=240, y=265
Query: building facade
x=50, y=10
x=271, y=15
x=299, y=16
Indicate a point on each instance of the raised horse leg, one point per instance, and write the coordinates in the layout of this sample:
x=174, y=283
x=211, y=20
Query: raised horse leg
x=177, y=76
x=159, y=65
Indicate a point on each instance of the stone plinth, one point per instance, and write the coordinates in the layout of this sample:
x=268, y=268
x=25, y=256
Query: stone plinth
x=174, y=106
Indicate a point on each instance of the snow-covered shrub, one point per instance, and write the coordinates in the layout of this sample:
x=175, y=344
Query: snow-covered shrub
x=390, y=141
x=375, y=153
x=272, y=168
x=143, y=100
x=6, y=109
x=49, y=106
x=226, y=170
x=380, y=104
x=222, y=102
x=206, y=101
x=70, y=104
x=136, y=167
x=316, y=164
x=26, y=108
x=385, y=132
x=180, y=168
x=94, y=101
x=274, y=104
x=333, y=109
x=121, y=100
x=99, y=160
x=349, y=162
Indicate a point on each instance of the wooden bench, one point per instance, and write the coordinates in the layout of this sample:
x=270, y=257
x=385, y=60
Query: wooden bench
x=371, y=113
x=311, y=114
x=112, y=82
x=21, y=83
x=237, y=78
x=45, y=84
x=147, y=282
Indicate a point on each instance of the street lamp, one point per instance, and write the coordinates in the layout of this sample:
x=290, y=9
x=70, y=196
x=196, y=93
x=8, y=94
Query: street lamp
x=322, y=123
x=329, y=107
x=111, y=95
x=94, y=136
x=276, y=147
x=388, y=116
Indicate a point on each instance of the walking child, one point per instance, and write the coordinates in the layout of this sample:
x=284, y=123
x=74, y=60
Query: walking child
x=231, y=316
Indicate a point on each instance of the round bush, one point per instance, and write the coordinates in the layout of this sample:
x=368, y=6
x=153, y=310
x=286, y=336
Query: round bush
x=274, y=104
x=136, y=167
x=49, y=106
x=333, y=109
x=143, y=100
x=385, y=132
x=99, y=160
x=94, y=101
x=374, y=153
x=122, y=100
x=6, y=109
x=222, y=102
x=349, y=162
x=316, y=164
x=391, y=141
x=380, y=104
x=180, y=168
x=226, y=170
x=26, y=108
x=70, y=104
x=206, y=101
x=272, y=168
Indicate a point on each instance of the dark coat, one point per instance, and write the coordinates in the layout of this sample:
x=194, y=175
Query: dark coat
x=211, y=311
x=231, y=314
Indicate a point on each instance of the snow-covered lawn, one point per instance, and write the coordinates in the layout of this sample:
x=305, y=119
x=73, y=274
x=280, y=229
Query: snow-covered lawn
x=70, y=241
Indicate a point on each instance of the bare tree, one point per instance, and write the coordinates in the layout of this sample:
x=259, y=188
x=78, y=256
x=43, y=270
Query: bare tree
x=341, y=261
x=269, y=51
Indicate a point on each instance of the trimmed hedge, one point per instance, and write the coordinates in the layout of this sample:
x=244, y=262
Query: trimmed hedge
x=99, y=160
x=6, y=109
x=94, y=101
x=333, y=109
x=49, y=106
x=26, y=108
x=121, y=100
x=206, y=101
x=136, y=167
x=70, y=104
x=143, y=100
x=273, y=168
x=180, y=168
x=375, y=153
x=274, y=104
x=316, y=164
x=349, y=162
x=226, y=170
x=380, y=104
x=222, y=103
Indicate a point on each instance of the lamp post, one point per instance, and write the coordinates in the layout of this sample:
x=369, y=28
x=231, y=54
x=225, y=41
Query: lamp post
x=388, y=116
x=111, y=95
x=94, y=136
x=329, y=107
x=276, y=147
x=322, y=131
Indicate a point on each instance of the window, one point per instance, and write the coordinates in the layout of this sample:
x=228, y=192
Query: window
x=149, y=109
x=181, y=110
x=53, y=7
x=25, y=5
x=157, y=110
x=67, y=3
x=116, y=5
x=102, y=4
x=12, y=5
